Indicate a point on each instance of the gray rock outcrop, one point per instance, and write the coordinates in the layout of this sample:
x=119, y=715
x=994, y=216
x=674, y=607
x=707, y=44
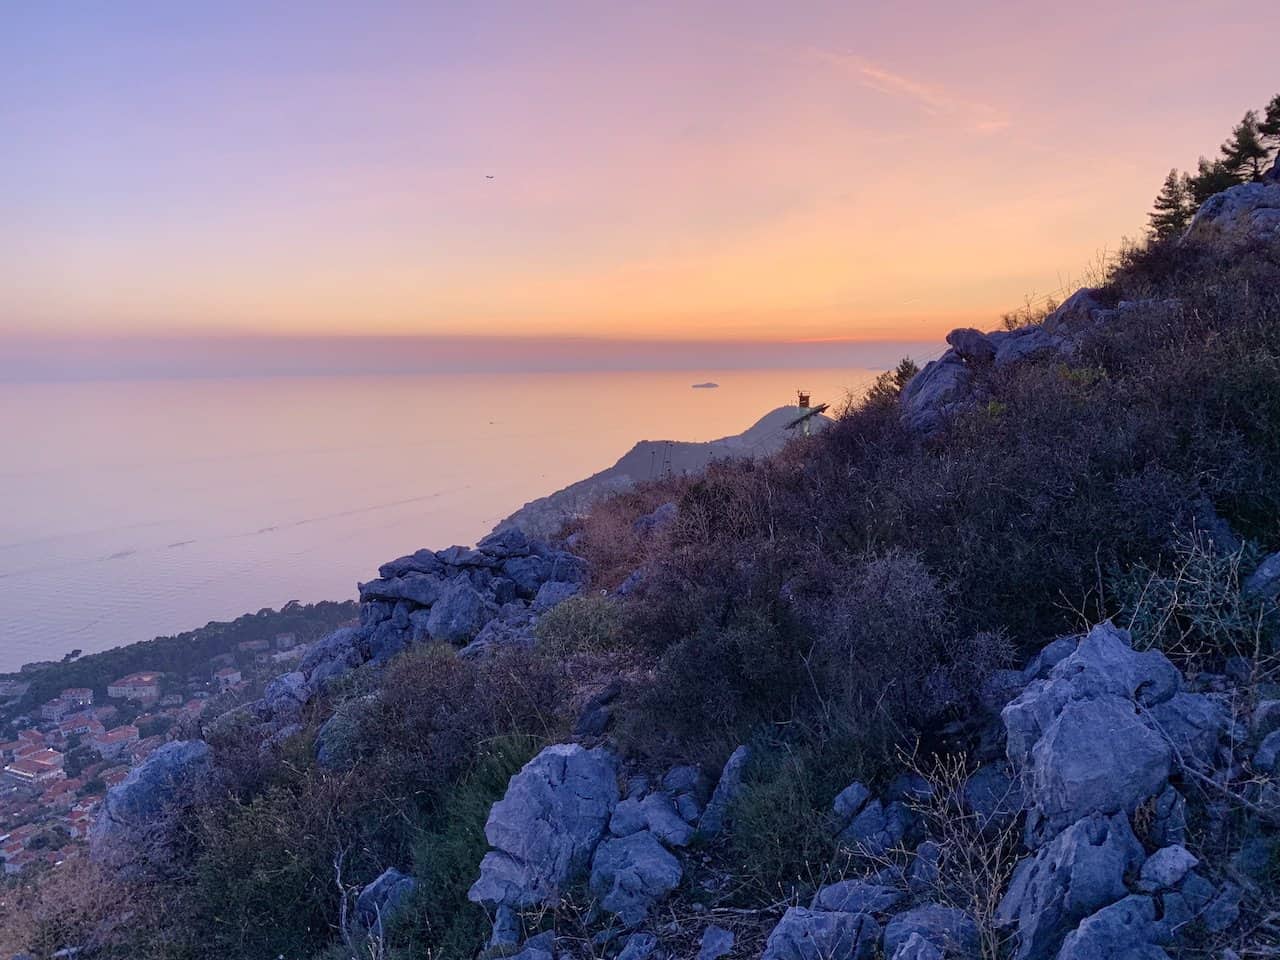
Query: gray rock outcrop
x=630, y=874
x=545, y=829
x=952, y=932
x=138, y=826
x=1246, y=214
x=378, y=902
x=727, y=790
x=1122, y=931
x=812, y=935
x=1080, y=871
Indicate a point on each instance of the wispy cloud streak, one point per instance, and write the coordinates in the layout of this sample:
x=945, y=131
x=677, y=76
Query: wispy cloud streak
x=933, y=99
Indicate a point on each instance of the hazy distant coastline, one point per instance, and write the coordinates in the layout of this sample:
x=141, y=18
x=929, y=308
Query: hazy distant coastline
x=30, y=358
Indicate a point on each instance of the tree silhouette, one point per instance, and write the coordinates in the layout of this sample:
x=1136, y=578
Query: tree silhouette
x=1269, y=128
x=1211, y=177
x=1244, y=152
x=1173, y=207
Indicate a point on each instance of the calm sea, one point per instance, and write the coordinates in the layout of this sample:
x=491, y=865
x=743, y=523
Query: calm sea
x=136, y=509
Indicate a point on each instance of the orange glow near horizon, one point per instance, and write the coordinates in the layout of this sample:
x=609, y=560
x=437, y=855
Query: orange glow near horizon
x=686, y=171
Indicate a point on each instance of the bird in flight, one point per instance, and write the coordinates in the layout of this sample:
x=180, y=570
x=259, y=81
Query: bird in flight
x=488, y=176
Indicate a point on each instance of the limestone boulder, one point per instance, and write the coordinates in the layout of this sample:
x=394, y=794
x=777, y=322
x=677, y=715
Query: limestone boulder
x=545, y=829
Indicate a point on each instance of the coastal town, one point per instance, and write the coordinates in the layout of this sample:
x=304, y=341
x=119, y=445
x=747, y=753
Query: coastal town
x=59, y=758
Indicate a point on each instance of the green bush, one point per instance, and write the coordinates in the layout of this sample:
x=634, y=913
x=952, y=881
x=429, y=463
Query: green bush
x=783, y=830
x=439, y=921
x=590, y=624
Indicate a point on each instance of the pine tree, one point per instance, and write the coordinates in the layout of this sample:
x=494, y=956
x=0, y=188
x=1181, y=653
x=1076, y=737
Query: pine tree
x=1173, y=207
x=1210, y=178
x=1269, y=128
x=1244, y=153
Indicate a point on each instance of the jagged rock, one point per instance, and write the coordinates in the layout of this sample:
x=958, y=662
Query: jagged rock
x=973, y=346
x=511, y=629
x=506, y=928
x=1193, y=724
x=1165, y=869
x=850, y=800
x=878, y=828
x=546, y=827
x=136, y=831
x=1266, y=717
x=505, y=543
x=934, y=391
x=528, y=573
x=1096, y=756
x=286, y=695
x=925, y=868
x=373, y=612
x=659, y=519
x=916, y=947
x=458, y=613
x=1169, y=819
x=386, y=640
x=992, y=796
x=1028, y=715
x=595, y=715
x=664, y=821
x=1105, y=663
x=1246, y=214
x=1050, y=656
x=688, y=787
x=808, y=935
x=332, y=656
x=639, y=946
x=1078, y=309
x=380, y=900
x=1081, y=870
x=727, y=789
x=1027, y=342
x=1264, y=582
x=1185, y=904
x=856, y=896
x=1267, y=757
x=552, y=593
x=420, y=561
x=630, y=874
x=716, y=943
x=910, y=788
x=420, y=588
x=1122, y=931
x=460, y=556
x=950, y=930
x=655, y=813
x=542, y=947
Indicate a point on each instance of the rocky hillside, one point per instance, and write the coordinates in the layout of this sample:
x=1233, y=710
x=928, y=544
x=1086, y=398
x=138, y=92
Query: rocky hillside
x=652, y=459
x=990, y=668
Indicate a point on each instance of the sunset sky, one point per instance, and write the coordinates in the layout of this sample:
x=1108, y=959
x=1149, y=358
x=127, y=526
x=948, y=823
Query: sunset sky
x=748, y=170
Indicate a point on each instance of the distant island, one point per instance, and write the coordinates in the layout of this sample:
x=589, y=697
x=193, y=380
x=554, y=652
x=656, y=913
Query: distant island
x=709, y=385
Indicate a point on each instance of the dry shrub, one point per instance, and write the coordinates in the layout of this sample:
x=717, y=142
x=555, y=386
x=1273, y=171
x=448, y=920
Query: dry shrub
x=76, y=905
x=879, y=626
x=607, y=537
x=976, y=856
x=435, y=709
x=1192, y=606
